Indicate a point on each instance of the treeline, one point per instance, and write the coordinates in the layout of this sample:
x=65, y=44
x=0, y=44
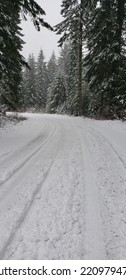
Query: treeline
x=52, y=87
x=88, y=78
x=36, y=81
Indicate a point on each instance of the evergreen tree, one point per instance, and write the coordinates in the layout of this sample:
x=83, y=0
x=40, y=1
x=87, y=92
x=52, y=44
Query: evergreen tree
x=41, y=81
x=35, y=11
x=10, y=57
x=72, y=86
x=11, y=44
x=72, y=28
x=68, y=67
x=102, y=23
x=51, y=69
x=63, y=62
x=29, y=84
x=56, y=95
x=105, y=61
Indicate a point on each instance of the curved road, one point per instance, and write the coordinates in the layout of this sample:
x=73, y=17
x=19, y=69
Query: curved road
x=63, y=189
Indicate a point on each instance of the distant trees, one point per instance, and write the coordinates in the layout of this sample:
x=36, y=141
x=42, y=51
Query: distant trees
x=34, y=83
x=56, y=95
x=11, y=43
x=52, y=86
x=36, y=80
x=41, y=81
x=45, y=86
x=88, y=78
x=51, y=68
x=29, y=83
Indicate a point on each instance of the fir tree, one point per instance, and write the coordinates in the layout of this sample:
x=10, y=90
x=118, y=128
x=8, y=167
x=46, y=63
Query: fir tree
x=72, y=87
x=11, y=44
x=10, y=57
x=63, y=62
x=105, y=60
x=72, y=28
x=51, y=69
x=29, y=84
x=41, y=81
x=35, y=11
x=56, y=95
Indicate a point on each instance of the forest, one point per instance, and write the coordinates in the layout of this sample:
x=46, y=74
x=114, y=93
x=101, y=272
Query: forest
x=89, y=76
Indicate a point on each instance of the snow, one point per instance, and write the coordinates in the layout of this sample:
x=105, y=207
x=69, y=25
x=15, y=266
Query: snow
x=63, y=188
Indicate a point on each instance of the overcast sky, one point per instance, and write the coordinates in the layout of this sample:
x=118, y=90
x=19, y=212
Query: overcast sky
x=44, y=39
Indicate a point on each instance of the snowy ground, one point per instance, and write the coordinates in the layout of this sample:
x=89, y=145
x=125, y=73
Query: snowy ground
x=63, y=189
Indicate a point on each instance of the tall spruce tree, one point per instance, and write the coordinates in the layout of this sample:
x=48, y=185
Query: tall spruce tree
x=105, y=61
x=72, y=86
x=68, y=66
x=41, y=81
x=10, y=58
x=29, y=84
x=72, y=28
x=56, y=95
x=11, y=44
x=51, y=68
x=63, y=61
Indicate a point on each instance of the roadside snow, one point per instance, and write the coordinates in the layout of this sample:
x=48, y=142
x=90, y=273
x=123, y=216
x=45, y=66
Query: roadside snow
x=63, y=189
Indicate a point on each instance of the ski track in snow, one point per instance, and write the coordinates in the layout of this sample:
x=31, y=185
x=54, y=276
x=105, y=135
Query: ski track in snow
x=111, y=178
x=20, y=157
x=63, y=189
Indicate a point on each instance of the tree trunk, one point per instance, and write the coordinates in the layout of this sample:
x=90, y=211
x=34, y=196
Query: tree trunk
x=80, y=58
x=120, y=20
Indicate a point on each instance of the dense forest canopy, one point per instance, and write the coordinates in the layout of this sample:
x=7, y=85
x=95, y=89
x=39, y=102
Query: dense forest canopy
x=91, y=83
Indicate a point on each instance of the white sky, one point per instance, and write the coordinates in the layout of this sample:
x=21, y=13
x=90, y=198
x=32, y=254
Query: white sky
x=44, y=39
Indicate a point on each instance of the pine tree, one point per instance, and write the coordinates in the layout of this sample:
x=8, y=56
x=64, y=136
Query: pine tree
x=51, y=69
x=56, y=95
x=72, y=28
x=68, y=67
x=120, y=51
x=10, y=57
x=29, y=84
x=63, y=61
x=11, y=44
x=72, y=86
x=35, y=11
x=105, y=60
x=41, y=81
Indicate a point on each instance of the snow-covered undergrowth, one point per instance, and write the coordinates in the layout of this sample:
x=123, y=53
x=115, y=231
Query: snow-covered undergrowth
x=63, y=188
x=10, y=118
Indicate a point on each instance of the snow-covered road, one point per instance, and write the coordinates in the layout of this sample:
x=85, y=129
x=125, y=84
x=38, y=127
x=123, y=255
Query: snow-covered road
x=63, y=189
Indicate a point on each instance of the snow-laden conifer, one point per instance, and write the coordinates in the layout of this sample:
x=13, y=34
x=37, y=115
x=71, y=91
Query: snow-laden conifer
x=105, y=61
x=72, y=28
x=41, y=81
x=29, y=83
x=56, y=95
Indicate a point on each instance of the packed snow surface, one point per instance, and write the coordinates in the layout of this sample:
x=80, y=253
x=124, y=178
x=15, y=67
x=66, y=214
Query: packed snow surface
x=63, y=189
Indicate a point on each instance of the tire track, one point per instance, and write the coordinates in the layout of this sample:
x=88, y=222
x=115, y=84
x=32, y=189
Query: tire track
x=111, y=180
x=109, y=143
x=24, y=213
x=94, y=241
x=4, y=155
x=24, y=162
x=71, y=232
x=19, y=151
x=27, y=208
